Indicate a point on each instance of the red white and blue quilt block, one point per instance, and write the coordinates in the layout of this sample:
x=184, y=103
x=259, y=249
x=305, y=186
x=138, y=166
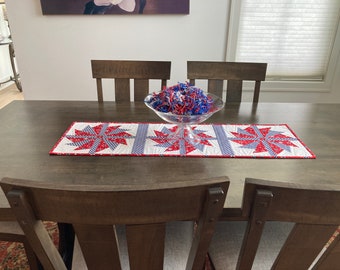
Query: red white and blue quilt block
x=153, y=139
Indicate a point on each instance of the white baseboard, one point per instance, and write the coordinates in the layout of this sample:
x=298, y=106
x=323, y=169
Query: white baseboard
x=4, y=85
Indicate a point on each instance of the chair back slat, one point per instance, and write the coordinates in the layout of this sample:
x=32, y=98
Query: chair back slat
x=122, y=90
x=234, y=90
x=232, y=72
x=141, y=89
x=99, y=246
x=123, y=71
x=99, y=89
x=95, y=210
x=146, y=245
x=257, y=91
x=215, y=87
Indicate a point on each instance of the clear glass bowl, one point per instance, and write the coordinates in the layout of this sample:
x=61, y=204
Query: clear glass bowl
x=184, y=122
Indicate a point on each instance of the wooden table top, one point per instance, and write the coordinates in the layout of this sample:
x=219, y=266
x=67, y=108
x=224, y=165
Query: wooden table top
x=29, y=129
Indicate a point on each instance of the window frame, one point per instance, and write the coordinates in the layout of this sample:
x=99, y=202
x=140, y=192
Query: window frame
x=283, y=85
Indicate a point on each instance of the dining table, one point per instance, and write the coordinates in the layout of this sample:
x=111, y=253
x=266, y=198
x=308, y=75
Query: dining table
x=30, y=129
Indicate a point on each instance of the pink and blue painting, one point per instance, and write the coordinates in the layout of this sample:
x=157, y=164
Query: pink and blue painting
x=111, y=7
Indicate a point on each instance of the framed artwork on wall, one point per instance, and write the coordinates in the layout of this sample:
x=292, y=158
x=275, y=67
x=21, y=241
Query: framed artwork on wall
x=107, y=7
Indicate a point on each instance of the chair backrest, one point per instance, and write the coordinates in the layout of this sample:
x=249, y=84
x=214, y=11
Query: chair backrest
x=315, y=210
x=232, y=72
x=122, y=71
x=94, y=209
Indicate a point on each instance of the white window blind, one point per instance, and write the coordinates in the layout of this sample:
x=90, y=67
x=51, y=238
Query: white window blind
x=295, y=37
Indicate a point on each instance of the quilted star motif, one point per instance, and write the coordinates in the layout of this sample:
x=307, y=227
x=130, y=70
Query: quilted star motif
x=98, y=138
x=184, y=145
x=263, y=139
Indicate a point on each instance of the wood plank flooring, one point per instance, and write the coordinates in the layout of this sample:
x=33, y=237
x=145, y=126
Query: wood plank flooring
x=8, y=94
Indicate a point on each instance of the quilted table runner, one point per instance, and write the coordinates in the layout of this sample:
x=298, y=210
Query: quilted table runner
x=152, y=139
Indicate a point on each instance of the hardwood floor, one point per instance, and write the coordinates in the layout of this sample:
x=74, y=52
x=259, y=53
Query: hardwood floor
x=8, y=94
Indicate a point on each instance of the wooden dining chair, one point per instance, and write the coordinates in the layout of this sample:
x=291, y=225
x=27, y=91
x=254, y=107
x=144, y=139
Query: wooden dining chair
x=123, y=71
x=145, y=211
x=280, y=226
x=232, y=72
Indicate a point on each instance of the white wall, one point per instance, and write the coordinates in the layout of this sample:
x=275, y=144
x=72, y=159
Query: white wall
x=54, y=52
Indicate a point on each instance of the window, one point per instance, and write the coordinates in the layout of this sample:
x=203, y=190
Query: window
x=297, y=38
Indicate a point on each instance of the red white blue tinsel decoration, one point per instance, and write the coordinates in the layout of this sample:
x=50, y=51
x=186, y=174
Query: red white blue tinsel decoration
x=181, y=99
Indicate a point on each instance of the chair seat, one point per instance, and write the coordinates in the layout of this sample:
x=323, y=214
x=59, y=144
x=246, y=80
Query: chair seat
x=227, y=240
x=177, y=246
